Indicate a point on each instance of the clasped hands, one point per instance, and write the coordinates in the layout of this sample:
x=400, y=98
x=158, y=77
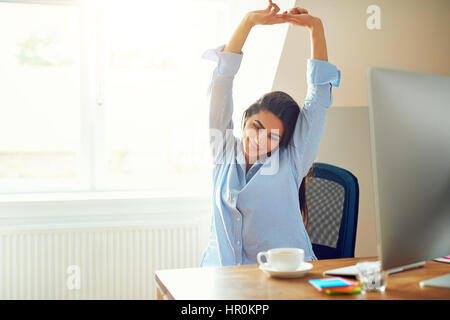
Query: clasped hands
x=296, y=16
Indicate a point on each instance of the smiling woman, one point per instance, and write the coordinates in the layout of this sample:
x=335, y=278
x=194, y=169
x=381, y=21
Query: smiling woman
x=264, y=138
x=256, y=185
x=279, y=112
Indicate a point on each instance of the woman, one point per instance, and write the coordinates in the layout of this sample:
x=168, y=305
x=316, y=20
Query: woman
x=257, y=178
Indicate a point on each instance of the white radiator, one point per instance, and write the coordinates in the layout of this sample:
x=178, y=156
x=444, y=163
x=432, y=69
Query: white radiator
x=93, y=262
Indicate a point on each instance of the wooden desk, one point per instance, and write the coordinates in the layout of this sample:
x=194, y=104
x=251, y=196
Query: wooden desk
x=249, y=283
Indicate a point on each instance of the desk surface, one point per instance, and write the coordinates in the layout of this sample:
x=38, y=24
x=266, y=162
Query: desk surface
x=249, y=283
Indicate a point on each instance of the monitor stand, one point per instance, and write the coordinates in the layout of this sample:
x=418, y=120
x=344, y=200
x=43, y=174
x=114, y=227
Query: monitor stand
x=441, y=281
x=352, y=271
x=406, y=267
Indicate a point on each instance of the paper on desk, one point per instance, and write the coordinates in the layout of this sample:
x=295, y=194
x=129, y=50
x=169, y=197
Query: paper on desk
x=355, y=290
x=445, y=259
x=319, y=284
x=351, y=271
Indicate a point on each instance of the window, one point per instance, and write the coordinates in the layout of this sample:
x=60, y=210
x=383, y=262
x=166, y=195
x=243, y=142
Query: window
x=111, y=95
x=156, y=119
x=39, y=96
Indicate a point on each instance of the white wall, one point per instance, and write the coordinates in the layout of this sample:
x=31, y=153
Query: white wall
x=346, y=144
x=413, y=36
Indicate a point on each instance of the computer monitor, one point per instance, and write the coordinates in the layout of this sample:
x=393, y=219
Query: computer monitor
x=410, y=142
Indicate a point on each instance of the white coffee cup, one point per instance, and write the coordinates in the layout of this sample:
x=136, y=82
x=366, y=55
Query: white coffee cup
x=282, y=259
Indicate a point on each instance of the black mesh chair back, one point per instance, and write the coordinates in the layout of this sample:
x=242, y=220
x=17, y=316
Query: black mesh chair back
x=332, y=196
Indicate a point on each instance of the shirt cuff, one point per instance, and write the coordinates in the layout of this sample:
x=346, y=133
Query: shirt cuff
x=228, y=62
x=322, y=72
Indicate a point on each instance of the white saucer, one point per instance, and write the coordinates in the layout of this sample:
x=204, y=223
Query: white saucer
x=301, y=271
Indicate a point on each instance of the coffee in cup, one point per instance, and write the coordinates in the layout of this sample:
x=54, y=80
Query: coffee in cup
x=282, y=259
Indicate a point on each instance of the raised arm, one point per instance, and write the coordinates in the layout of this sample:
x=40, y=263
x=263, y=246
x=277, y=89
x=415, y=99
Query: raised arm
x=251, y=19
x=318, y=43
x=228, y=58
x=321, y=77
x=300, y=17
x=221, y=91
x=239, y=36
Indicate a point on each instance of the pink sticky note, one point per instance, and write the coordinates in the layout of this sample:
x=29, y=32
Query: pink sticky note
x=349, y=282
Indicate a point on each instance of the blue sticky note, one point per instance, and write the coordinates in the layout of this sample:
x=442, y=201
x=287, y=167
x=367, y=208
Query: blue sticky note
x=329, y=282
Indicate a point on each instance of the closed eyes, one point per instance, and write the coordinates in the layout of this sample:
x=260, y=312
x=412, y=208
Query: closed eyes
x=273, y=135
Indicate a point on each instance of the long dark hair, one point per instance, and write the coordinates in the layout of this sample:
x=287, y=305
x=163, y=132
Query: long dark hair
x=302, y=198
x=287, y=110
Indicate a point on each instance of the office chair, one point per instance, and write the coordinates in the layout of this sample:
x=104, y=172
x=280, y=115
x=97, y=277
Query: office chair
x=332, y=196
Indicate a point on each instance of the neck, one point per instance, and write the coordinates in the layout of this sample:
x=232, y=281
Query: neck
x=247, y=160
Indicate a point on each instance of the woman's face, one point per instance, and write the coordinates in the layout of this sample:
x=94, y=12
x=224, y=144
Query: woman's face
x=262, y=133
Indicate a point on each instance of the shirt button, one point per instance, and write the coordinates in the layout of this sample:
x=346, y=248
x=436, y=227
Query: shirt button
x=238, y=242
x=238, y=219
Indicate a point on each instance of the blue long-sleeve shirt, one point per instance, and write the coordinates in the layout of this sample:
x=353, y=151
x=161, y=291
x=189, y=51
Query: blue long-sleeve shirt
x=260, y=210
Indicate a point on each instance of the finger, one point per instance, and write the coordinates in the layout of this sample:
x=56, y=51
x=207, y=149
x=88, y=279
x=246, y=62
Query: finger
x=269, y=6
x=276, y=8
x=299, y=10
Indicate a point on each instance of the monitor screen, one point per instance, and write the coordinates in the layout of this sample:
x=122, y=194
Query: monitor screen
x=409, y=115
